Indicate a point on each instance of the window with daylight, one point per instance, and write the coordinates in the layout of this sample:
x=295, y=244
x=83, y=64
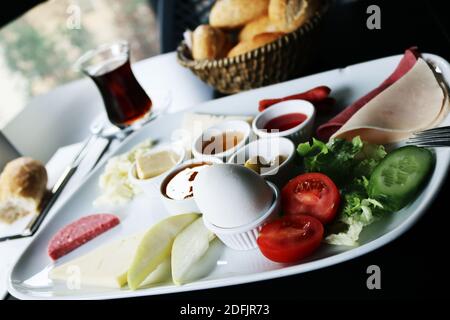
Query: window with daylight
x=38, y=49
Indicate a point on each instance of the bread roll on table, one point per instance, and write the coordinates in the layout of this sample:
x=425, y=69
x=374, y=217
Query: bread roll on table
x=23, y=184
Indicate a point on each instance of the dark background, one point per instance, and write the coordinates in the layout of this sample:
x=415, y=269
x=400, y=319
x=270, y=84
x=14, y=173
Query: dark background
x=404, y=23
x=415, y=265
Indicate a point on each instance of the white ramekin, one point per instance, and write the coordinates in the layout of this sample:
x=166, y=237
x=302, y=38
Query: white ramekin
x=269, y=148
x=244, y=237
x=150, y=186
x=189, y=205
x=297, y=134
x=226, y=126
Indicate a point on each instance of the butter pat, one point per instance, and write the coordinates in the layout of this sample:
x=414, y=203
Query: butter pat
x=106, y=266
x=154, y=164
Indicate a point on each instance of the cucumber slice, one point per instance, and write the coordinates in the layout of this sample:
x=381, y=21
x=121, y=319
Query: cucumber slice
x=400, y=175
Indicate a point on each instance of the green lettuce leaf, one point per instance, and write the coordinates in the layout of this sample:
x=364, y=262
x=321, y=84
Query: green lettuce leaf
x=369, y=157
x=341, y=160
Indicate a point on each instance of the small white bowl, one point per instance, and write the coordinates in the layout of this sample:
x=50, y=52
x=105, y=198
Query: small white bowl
x=189, y=205
x=244, y=237
x=150, y=186
x=218, y=129
x=269, y=148
x=297, y=134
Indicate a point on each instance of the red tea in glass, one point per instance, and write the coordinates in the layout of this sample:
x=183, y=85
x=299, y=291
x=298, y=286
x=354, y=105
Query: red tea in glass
x=109, y=67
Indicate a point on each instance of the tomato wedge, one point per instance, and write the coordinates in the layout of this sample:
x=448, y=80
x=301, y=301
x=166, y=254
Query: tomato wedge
x=312, y=194
x=290, y=238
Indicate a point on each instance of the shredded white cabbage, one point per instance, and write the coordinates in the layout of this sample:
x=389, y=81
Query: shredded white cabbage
x=348, y=238
x=355, y=223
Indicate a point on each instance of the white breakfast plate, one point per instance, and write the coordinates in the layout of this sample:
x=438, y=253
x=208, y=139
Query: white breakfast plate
x=28, y=279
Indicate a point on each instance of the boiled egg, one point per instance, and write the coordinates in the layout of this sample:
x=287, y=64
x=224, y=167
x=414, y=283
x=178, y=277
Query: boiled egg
x=230, y=195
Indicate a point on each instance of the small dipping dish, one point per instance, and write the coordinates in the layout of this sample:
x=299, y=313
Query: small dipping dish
x=292, y=119
x=172, y=154
x=180, y=181
x=235, y=202
x=272, y=157
x=222, y=140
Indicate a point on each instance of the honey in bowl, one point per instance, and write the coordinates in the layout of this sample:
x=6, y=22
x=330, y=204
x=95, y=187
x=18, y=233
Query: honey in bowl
x=221, y=142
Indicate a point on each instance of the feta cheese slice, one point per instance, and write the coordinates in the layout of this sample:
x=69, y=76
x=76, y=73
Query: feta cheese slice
x=106, y=266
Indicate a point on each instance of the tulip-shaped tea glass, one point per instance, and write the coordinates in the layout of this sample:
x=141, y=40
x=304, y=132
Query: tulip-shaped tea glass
x=126, y=103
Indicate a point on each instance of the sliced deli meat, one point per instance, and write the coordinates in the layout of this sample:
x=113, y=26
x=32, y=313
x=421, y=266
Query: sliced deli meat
x=415, y=102
x=409, y=59
x=79, y=232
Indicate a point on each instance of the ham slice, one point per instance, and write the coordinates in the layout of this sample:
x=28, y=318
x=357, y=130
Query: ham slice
x=417, y=101
x=325, y=131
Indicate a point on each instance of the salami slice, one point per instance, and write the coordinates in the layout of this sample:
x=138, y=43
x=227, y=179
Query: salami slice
x=325, y=131
x=79, y=232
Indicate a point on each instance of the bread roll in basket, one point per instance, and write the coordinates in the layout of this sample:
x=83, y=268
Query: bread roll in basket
x=275, y=61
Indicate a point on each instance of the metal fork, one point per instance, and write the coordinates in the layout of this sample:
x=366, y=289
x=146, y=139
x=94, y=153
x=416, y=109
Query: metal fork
x=436, y=137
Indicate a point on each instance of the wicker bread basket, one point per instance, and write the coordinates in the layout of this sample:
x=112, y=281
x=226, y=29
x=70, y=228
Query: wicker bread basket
x=283, y=59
